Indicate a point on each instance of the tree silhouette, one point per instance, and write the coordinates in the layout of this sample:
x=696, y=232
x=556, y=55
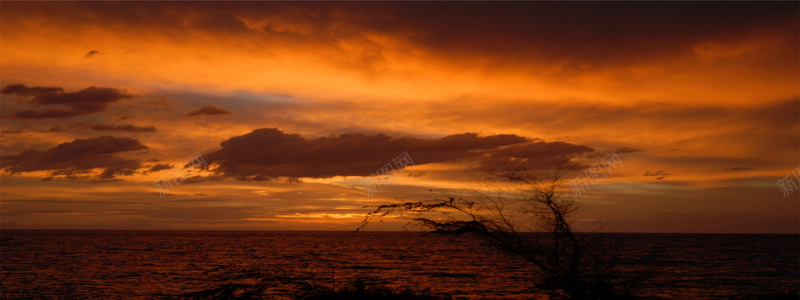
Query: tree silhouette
x=529, y=215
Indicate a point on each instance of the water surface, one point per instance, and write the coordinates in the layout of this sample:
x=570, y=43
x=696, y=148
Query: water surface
x=151, y=264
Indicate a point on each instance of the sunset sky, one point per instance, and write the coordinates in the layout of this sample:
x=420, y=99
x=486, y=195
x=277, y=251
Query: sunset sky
x=293, y=105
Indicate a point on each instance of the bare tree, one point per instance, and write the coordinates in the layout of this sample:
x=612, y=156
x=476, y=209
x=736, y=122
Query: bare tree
x=530, y=216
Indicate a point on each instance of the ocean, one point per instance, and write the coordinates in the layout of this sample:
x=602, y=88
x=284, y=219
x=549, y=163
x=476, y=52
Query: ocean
x=86, y=264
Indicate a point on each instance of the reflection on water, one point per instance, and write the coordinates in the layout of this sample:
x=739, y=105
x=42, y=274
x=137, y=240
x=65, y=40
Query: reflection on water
x=143, y=264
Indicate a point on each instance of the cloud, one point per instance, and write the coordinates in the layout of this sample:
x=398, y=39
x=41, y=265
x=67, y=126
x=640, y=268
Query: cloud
x=91, y=53
x=47, y=114
x=209, y=110
x=626, y=150
x=21, y=89
x=659, y=173
x=570, y=37
x=269, y=152
x=159, y=167
x=87, y=101
x=111, y=127
x=200, y=178
x=11, y=131
x=78, y=158
x=546, y=30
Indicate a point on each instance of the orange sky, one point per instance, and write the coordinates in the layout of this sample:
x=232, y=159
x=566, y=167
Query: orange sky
x=101, y=99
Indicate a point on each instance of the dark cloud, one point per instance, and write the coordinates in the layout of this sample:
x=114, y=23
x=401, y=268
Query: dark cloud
x=293, y=180
x=87, y=101
x=111, y=127
x=575, y=36
x=159, y=167
x=21, y=89
x=11, y=131
x=209, y=110
x=601, y=34
x=91, y=53
x=269, y=152
x=660, y=174
x=76, y=159
x=580, y=32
